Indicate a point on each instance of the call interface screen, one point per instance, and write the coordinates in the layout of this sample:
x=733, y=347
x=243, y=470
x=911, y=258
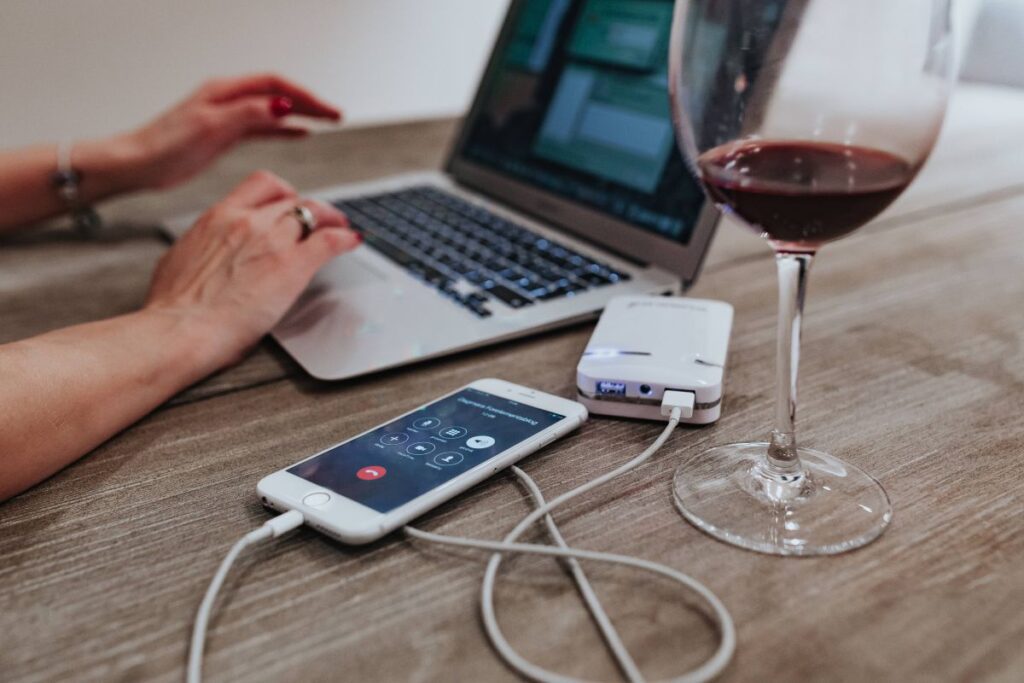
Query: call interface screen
x=398, y=462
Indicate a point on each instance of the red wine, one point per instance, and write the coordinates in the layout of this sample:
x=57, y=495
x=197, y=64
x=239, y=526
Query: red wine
x=802, y=194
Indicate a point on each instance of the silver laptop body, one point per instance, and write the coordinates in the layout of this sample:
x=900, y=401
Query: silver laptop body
x=594, y=128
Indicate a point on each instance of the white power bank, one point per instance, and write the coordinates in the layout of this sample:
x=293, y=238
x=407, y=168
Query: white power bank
x=644, y=345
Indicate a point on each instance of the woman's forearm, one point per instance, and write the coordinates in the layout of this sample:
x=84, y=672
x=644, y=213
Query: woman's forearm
x=108, y=167
x=64, y=393
x=214, y=295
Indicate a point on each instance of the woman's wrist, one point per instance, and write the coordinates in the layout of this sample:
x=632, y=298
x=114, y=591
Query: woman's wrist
x=109, y=166
x=201, y=342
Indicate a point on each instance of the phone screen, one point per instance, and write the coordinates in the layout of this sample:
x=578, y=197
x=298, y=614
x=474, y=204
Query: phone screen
x=400, y=461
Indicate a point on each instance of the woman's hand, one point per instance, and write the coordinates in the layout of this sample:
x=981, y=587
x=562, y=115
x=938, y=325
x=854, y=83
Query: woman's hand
x=214, y=294
x=190, y=136
x=173, y=148
x=243, y=263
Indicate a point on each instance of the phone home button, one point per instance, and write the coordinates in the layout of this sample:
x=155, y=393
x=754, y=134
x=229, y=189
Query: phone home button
x=316, y=499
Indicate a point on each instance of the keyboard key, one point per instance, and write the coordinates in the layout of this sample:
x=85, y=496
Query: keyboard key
x=469, y=254
x=479, y=308
x=596, y=279
x=400, y=257
x=537, y=292
x=559, y=291
x=528, y=285
x=509, y=297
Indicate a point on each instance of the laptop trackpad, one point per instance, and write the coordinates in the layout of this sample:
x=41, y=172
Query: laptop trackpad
x=346, y=272
x=330, y=305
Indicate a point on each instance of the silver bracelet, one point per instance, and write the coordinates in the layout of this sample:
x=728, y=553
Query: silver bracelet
x=67, y=181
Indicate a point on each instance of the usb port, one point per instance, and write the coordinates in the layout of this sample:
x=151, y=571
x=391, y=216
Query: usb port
x=611, y=388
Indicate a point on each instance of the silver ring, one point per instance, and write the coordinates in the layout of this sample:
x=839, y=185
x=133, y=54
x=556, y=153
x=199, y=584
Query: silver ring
x=306, y=219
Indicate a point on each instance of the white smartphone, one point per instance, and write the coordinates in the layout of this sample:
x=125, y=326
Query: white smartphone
x=368, y=486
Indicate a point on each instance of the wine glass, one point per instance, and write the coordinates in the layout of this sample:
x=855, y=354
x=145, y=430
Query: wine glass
x=804, y=119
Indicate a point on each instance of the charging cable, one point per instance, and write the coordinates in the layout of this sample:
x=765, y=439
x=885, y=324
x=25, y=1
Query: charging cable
x=277, y=526
x=674, y=404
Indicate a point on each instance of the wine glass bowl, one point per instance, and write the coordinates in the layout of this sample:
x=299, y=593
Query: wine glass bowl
x=805, y=119
x=799, y=195
x=825, y=82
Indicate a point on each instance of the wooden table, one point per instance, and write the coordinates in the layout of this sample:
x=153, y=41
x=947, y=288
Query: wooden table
x=913, y=369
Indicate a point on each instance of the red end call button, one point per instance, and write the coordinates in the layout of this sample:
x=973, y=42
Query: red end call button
x=371, y=473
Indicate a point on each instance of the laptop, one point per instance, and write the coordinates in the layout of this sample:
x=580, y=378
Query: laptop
x=564, y=189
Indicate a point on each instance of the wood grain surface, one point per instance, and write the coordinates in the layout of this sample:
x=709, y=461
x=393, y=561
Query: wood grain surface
x=913, y=368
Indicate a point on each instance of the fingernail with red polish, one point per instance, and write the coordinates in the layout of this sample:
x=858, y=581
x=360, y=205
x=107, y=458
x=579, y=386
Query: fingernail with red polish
x=281, y=106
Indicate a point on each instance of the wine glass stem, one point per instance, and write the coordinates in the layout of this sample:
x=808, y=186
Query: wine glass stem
x=793, y=268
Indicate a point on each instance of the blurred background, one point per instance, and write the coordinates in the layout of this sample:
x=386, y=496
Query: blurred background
x=83, y=68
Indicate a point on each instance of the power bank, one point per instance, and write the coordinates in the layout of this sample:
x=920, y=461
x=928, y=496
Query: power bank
x=644, y=345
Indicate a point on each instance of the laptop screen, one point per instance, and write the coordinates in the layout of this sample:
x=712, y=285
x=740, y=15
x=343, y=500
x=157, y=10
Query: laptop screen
x=576, y=104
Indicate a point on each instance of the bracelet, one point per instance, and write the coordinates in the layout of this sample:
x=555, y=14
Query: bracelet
x=66, y=181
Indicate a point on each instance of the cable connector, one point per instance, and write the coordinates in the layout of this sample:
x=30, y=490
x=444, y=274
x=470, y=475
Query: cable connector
x=273, y=528
x=683, y=401
x=282, y=524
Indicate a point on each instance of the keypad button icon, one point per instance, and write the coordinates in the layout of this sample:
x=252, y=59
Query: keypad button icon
x=427, y=423
x=480, y=442
x=421, y=448
x=396, y=439
x=452, y=432
x=448, y=459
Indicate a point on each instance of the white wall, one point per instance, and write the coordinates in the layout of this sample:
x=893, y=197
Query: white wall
x=998, y=44
x=78, y=68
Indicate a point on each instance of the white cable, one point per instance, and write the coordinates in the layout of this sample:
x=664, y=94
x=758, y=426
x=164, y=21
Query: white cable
x=498, y=638
x=711, y=668
x=611, y=636
x=706, y=672
x=488, y=611
x=675, y=402
x=272, y=529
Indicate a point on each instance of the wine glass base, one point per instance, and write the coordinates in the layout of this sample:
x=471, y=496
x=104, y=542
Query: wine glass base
x=830, y=508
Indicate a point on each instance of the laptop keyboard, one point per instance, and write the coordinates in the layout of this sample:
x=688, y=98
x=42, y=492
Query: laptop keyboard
x=470, y=255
